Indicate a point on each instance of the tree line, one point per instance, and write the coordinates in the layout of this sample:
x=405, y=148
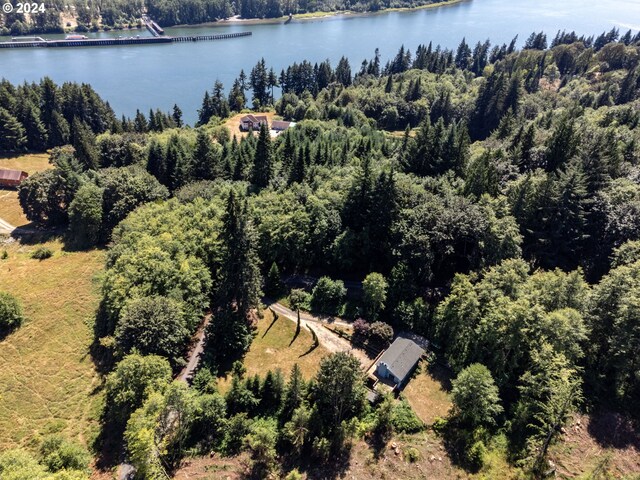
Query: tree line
x=118, y=14
x=490, y=198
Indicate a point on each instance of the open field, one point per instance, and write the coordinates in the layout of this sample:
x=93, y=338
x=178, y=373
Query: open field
x=601, y=445
x=270, y=350
x=428, y=392
x=47, y=378
x=30, y=163
x=10, y=209
x=233, y=123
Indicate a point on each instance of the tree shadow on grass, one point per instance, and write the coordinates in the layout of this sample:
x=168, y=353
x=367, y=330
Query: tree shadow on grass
x=440, y=374
x=614, y=430
x=314, y=345
x=31, y=235
x=378, y=444
x=336, y=467
x=297, y=332
x=275, y=319
x=109, y=446
x=101, y=352
x=6, y=331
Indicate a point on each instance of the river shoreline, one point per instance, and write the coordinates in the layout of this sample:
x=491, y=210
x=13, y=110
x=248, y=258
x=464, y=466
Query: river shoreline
x=303, y=17
x=315, y=16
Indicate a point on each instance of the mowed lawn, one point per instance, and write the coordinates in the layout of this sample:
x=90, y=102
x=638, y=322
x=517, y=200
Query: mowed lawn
x=10, y=210
x=270, y=350
x=48, y=382
x=428, y=392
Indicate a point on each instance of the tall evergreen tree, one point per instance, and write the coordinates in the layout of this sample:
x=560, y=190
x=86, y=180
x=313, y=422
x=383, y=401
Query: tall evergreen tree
x=34, y=128
x=260, y=83
x=263, y=159
x=12, y=134
x=157, y=162
x=177, y=116
x=562, y=145
x=205, y=160
x=343, y=72
x=240, y=280
x=294, y=394
x=84, y=142
x=206, y=111
x=59, y=130
x=229, y=334
x=178, y=163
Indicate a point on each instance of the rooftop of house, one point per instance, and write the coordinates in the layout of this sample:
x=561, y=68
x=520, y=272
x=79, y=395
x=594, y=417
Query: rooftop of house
x=254, y=118
x=401, y=357
x=12, y=174
x=281, y=125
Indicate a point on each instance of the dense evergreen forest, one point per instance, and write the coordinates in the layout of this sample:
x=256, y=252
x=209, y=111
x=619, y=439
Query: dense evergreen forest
x=108, y=14
x=489, y=195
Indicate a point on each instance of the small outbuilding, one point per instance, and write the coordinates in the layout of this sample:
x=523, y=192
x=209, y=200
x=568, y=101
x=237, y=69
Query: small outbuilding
x=12, y=178
x=253, y=122
x=281, y=125
x=399, y=361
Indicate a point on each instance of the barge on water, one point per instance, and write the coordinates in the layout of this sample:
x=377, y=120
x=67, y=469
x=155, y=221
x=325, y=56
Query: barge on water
x=37, y=42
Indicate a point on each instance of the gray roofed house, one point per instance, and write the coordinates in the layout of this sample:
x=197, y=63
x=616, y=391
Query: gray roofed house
x=399, y=360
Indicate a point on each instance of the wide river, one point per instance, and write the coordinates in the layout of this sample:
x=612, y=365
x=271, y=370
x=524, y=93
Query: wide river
x=151, y=76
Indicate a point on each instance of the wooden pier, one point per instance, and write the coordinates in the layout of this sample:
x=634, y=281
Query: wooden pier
x=155, y=29
x=103, y=42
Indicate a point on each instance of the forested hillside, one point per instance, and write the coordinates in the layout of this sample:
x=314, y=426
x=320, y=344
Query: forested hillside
x=490, y=196
x=109, y=14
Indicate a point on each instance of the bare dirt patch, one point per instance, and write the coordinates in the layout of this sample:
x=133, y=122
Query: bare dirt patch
x=213, y=467
x=602, y=445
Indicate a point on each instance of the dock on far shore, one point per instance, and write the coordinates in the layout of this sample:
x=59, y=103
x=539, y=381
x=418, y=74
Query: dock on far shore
x=157, y=32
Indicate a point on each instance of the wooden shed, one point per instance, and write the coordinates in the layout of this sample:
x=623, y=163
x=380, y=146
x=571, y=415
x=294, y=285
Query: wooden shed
x=12, y=178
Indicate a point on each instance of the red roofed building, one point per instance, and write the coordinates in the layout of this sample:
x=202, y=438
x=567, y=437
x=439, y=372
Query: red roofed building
x=253, y=122
x=12, y=178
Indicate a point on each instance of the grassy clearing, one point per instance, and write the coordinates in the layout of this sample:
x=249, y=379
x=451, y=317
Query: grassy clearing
x=233, y=123
x=10, y=210
x=47, y=378
x=270, y=350
x=428, y=392
x=31, y=163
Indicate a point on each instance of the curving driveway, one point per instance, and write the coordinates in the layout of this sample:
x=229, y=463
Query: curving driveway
x=328, y=339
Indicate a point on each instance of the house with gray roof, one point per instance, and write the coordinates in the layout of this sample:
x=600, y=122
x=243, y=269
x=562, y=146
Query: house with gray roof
x=399, y=361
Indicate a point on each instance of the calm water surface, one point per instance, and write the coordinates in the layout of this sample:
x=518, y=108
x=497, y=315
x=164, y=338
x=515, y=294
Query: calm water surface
x=149, y=76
